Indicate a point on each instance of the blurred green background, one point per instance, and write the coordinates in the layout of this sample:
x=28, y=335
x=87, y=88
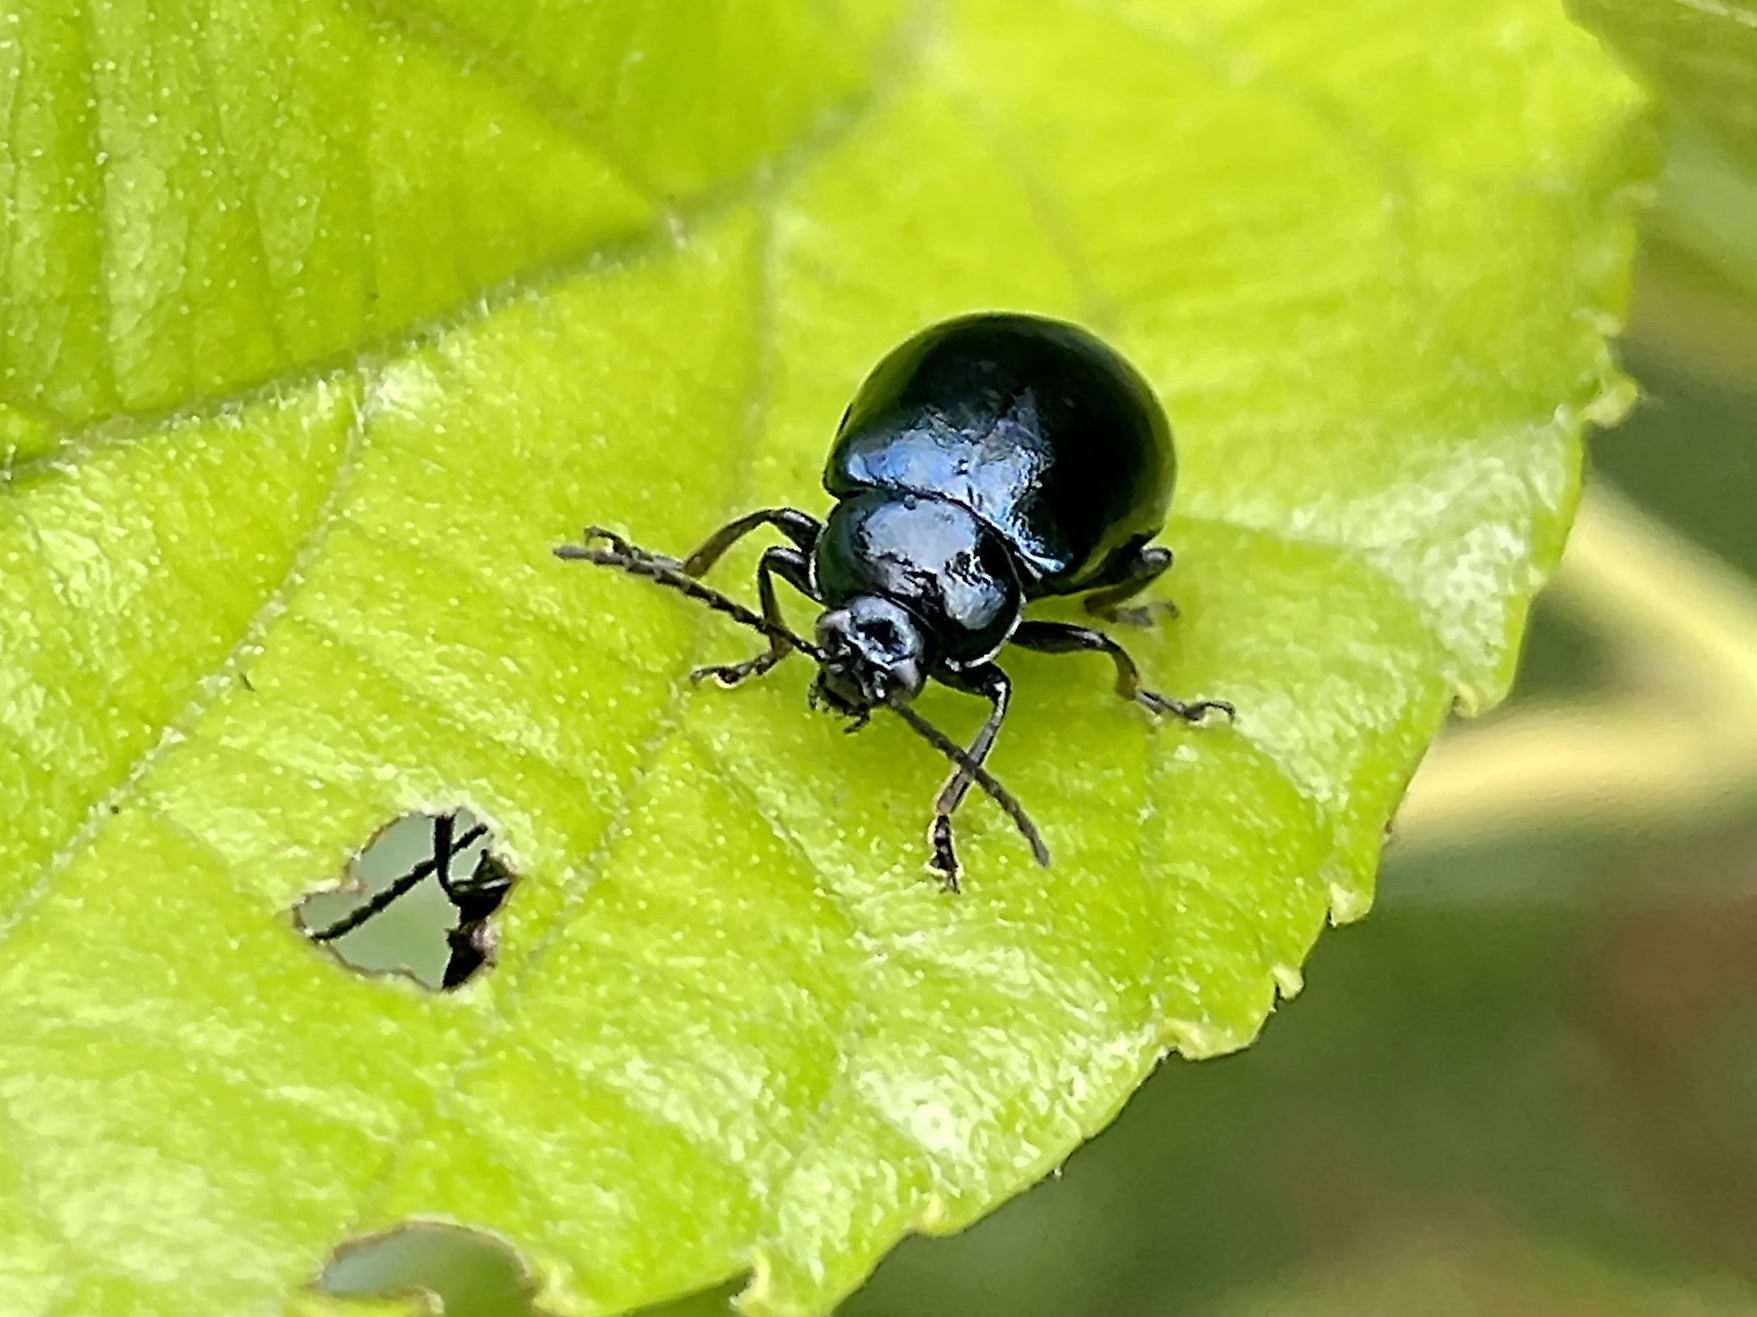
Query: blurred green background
x=1527, y=1083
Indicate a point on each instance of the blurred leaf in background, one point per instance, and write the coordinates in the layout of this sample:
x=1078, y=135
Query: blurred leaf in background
x=1700, y=55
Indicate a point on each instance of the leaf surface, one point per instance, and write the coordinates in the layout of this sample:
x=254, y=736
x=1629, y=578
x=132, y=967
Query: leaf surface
x=1368, y=255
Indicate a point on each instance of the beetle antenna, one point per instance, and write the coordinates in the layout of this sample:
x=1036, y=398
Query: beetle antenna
x=979, y=775
x=669, y=572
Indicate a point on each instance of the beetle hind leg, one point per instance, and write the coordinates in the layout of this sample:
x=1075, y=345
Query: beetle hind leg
x=1133, y=576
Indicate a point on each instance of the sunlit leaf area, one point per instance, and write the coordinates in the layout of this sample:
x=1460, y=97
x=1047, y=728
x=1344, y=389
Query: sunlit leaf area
x=389, y=925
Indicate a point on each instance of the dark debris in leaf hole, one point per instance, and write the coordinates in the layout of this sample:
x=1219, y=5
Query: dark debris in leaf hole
x=417, y=903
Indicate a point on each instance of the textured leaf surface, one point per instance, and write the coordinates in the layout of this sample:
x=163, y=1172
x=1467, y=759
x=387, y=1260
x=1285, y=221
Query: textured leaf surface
x=1367, y=253
x=1702, y=54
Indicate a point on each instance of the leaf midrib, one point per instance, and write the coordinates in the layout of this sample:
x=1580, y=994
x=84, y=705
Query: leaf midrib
x=673, y=221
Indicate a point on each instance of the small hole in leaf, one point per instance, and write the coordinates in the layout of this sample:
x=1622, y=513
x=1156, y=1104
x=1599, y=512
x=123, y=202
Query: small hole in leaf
x=462, y=1272
x=467, y=1273
x=418, y=902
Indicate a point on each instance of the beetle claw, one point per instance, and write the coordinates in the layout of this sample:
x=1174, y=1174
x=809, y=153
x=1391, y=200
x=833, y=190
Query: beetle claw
x=610, y=537
x=723, y=674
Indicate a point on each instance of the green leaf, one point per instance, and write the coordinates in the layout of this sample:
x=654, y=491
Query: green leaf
x=206, y=197
x=1368, y=254
x=1700, y=54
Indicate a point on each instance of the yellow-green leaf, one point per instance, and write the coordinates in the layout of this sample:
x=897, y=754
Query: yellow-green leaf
x=1368, y=253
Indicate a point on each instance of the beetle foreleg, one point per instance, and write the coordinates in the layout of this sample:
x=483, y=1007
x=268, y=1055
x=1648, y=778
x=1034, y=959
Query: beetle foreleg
x=803, y=530
x=791, y=566
x=991, y=683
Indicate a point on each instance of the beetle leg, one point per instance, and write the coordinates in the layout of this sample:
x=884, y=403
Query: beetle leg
x=1136, y=575
x=803, y=530
x=791, y=566
x=990, y=682
x=1062, y=638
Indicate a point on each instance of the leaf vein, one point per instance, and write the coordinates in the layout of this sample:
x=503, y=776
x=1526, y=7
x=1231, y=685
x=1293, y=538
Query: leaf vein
x=591, y=870
x=425, y=698
x=468, y=53
x=380, y=349
x=100, y=204
x=273, y=606
x=241, y=187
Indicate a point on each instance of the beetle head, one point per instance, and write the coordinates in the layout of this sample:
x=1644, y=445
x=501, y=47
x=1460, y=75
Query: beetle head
x=874, y=652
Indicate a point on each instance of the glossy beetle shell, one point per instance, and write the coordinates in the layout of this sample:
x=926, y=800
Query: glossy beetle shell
x=932, y=555
x=1035, y=425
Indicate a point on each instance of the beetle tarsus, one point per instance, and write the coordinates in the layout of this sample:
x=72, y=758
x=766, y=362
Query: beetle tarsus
x=731, y=674
x=1146, y=616
x=616, y=542
x=619, y=551
x=1195, y=712
x=944, y=864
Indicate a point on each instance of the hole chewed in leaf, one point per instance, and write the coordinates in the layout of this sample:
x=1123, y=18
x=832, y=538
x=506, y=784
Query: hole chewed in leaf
x=461, y=1273
x=418, y=901
x=467, y=1273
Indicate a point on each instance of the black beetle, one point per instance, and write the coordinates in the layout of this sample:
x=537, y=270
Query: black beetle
x=988, y=461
